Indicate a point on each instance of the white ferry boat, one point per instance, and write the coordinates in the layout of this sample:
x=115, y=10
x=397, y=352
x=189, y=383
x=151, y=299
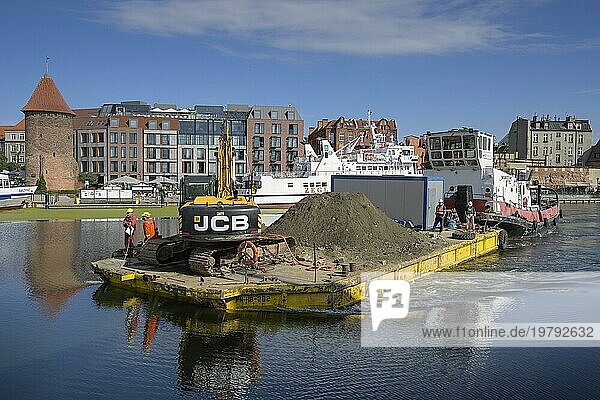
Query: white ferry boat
x=464, y=158
x=312, y=173
x=13, y=196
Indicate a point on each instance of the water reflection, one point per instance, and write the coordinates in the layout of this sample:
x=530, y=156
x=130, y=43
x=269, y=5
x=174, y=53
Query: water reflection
x=218, y=352
x=50, y=269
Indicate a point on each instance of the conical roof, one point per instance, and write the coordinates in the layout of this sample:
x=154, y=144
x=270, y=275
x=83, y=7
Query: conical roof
x=47, y=97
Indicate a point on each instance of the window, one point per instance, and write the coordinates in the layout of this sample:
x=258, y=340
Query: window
x=132, y=152
x=114, y=122
x=455, y=142
x=165, y=167
x=291, y=115
x=240, y=169
x=570, y=151
x=570, y=138
x=152, y=153
x=258, y=141
x=580, y=139
x=291, y=156
x=580, y=151
x=276, y=128
x=200, y=154
x=186, y=154
x=558, y=134
x=114, y=137
x=275, y=155
x=123, y=138
x=133, y=123
x=84, y=151
x=292, y=142
x=239, y=154
x=164, y=154
x=274, y=114
x=545, y=151
x=187, y=167
x=331, y=137
x=535, y=138
x=164, y=139
x=258, y=155
x=275, y=167
x=101, y=137
x=545, y=139
x=275, y=141
x=257, y=114
x=341, y=137
x=201, y=167
x=293, y=129
x=152, y=125
x=260, y=168
x=100, y=151
x=133, y=138
x=558, y=158
x=84, y=138
x=133, y=166
x=114, y=151
x=114, y=166
x=166, y=125
x=152, y=167
x=151, y=138
x=123, y=152
x=535, y=151
x=259, y=128
x=557, y=145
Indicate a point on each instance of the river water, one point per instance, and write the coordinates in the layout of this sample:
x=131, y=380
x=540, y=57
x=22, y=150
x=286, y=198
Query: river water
x=63, y=335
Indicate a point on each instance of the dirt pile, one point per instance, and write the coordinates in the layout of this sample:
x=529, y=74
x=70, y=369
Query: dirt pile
x=351, y=228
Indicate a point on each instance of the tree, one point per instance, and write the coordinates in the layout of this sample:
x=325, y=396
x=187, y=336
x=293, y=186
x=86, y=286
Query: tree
x=41, y=185
x=91, y=177
x=9, y=166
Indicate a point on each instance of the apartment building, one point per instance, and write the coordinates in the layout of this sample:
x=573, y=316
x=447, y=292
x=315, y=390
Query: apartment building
x=275, y=135
x=14, y=143
x=159, y=153
x=91, y=134
x=544, y=141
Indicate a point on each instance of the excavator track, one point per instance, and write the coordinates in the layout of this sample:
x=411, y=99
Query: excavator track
x=163, y=250
x=201, y=261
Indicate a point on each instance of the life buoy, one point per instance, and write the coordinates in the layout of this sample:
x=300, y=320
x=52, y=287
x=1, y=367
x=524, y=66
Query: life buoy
x=244, y=257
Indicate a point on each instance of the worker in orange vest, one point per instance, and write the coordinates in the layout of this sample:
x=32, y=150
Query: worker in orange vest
x=150, y=229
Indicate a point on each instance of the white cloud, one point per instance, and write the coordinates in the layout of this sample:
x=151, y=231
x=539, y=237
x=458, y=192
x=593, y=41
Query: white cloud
x=355, y=27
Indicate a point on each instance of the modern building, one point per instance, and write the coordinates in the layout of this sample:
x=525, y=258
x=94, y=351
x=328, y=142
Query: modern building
x=49, y=138
x=543, y=141
x=159, y=151
x=342, y=131
x=199, y=138
x=275, y=135
x=13, y=146
x=91, y=133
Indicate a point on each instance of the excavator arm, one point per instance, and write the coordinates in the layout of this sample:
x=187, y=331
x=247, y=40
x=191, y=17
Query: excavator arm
x=225, y=179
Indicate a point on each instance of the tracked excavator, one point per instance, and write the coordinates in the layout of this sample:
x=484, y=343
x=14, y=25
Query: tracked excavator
x=215, y=224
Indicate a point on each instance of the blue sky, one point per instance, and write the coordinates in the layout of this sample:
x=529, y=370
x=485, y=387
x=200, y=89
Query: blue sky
x=430, y=65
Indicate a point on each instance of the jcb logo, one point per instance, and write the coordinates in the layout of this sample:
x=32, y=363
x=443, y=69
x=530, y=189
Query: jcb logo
x=221, y=223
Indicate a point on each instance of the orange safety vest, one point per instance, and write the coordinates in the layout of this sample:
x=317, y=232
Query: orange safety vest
x=150, y=229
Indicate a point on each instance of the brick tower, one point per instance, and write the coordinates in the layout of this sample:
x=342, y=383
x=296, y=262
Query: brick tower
x=49, y=138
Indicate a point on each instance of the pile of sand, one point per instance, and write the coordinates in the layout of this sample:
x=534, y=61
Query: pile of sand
x=351, y=228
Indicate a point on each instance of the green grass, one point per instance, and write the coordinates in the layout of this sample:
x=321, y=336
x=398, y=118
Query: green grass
x=33, y=214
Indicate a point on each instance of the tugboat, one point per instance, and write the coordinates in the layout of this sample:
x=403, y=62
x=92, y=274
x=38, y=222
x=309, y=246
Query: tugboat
x=464, y=158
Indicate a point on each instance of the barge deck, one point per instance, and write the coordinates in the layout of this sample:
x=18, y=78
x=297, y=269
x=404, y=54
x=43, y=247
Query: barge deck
x=282, y=286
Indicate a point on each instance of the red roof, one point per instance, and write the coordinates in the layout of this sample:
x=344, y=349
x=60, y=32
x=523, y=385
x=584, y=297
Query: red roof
x=47, y=97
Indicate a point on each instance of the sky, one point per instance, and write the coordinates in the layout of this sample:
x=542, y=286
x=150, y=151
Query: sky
x=430, y=65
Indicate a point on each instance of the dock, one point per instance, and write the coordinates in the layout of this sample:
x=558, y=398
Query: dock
x=283, y=286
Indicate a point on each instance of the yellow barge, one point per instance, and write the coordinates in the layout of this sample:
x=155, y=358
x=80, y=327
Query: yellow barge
x=284, y=287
